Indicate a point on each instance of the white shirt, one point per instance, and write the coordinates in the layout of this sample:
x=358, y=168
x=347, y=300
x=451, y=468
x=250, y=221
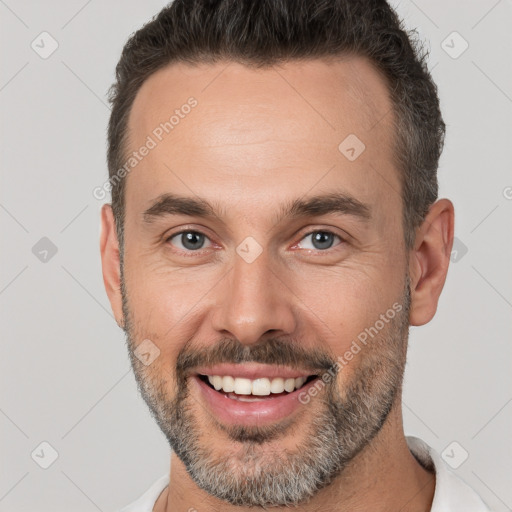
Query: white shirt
x=451, y=493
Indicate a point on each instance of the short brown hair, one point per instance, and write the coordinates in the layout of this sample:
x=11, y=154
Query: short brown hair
x=261, y=33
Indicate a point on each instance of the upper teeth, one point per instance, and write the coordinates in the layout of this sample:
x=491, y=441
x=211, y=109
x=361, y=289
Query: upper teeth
x=260, y=387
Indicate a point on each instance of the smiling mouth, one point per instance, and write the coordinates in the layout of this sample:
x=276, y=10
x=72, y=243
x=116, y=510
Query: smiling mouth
x=252, y=390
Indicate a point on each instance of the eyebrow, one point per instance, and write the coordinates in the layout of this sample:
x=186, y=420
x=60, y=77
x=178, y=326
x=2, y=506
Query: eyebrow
x=324, y=204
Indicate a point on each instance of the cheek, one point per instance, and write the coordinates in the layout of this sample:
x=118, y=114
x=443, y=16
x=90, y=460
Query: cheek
x=164, y=304
x=166, y=294
x=343, y=302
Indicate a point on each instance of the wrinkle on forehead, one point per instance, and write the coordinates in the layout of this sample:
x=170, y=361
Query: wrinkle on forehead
x=325, y=94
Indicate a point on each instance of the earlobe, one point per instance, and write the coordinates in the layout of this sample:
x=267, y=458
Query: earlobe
x=429, y=261
x=110, y=262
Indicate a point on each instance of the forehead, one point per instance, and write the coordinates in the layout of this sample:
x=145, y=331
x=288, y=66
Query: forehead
x=254, y=134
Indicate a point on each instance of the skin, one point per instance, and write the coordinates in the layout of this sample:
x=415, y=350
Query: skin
x=257, y=140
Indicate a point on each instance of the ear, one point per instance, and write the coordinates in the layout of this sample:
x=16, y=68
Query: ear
x=429, y=261
x=110, y=262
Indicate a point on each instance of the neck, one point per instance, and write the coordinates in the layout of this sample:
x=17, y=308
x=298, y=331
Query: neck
x=383, y=476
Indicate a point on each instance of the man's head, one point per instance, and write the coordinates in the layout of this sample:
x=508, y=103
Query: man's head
x=278, y=231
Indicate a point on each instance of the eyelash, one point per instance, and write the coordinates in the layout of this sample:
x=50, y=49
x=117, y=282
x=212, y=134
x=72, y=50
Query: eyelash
x=190, y=253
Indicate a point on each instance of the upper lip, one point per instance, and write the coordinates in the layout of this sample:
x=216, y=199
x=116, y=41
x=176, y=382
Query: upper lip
x=254, y=371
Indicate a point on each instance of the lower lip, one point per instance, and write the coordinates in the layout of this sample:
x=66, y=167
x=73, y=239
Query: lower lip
x=234, y=412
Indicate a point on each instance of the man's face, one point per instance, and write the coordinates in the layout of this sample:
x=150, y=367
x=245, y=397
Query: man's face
x=255, y=289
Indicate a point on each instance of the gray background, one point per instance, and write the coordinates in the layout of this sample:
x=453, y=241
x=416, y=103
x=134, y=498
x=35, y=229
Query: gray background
x=65, y=375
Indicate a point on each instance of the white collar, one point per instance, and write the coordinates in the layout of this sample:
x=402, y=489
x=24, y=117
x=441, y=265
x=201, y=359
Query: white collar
x=451, y=492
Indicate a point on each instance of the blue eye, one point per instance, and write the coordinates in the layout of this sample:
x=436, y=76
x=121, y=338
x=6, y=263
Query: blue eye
x=321, y=240
x=188, y=240
x=191, y=241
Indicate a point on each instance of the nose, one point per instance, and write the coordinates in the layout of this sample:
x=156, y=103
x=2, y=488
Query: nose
x=253, y=301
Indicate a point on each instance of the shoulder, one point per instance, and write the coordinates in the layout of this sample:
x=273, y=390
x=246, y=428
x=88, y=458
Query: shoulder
x=146, y=501
x=451, y=492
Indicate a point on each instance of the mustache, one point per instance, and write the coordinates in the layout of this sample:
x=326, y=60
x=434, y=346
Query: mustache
x=272, y=351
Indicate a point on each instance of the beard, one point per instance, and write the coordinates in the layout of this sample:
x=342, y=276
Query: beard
x=341, y=421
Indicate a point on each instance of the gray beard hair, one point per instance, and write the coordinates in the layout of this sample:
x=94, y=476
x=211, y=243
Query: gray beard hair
x=347, y=423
